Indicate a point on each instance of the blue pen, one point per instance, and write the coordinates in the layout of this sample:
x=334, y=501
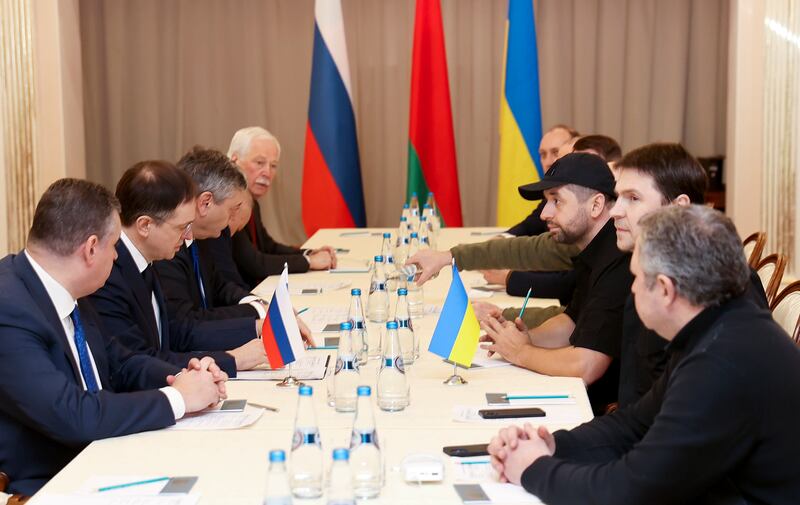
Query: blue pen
x=536, y=397
x=302, y=310
x=474, y=462
x=525, y=303
x=131, y=484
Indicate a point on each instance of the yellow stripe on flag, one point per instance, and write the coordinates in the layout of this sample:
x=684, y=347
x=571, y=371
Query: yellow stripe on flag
x=516, y=168
x=467, y=339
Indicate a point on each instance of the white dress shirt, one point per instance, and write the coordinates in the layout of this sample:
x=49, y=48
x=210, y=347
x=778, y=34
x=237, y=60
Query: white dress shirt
x=64, y=304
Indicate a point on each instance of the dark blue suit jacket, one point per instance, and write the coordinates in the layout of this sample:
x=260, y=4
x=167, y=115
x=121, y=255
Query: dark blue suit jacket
x=126, y=311
x=46, y=417
x=182, y=290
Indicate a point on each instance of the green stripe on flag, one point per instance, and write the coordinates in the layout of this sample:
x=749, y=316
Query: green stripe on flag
x=416, y=179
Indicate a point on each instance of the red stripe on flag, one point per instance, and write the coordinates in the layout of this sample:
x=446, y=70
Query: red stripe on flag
x=323, y=204
x=271, y=345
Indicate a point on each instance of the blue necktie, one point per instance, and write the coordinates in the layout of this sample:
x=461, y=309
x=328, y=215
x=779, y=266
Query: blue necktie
x=197, y=274
x=83, y=352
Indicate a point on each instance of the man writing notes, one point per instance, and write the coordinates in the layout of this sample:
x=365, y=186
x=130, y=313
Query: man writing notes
x=719, y=426
x=62, y=384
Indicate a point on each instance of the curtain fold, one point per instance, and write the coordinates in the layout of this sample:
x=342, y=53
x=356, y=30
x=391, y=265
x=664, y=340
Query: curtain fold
x=163, y=76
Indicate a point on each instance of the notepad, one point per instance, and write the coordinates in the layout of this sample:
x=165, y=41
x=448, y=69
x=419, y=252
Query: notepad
x=106, y=499
x=309, y=367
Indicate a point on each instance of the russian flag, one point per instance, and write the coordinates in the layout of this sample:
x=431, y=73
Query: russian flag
x=456, y=335
x=280, y=333
x=332, y=195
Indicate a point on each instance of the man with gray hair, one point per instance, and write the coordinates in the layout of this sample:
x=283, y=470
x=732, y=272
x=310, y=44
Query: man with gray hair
x=719, y=426
x=257, y=152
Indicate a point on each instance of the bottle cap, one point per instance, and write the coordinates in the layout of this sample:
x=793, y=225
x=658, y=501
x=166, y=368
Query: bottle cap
x=305, y=390
x=355, y=291
x=386, y=234
x=364, y=391
x=391, y=325
x=405, y=205
x=414, y=234
x=379, y=259
x=277, y=456
x=403, y=219
x=427, y=205
x=347, y=325
x=341, y=454
x=402, y=292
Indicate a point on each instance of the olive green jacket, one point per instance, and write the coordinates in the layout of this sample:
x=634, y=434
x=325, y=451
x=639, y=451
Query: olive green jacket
x=539, y=252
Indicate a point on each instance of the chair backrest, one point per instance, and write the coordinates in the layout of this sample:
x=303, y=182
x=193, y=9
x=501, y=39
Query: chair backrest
x=770, y=271
x=786, y=310
x=754, y=247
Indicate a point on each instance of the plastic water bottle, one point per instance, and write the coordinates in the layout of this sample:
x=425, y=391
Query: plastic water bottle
x=424, y=234
x=365, y=453
x=386, y=250
x=346, y=378
x=378, y=300
x=277, y=491
x=306, y=473
x=416, y=297
x=340, y=481
x=359, y=333
x=392, y=382
x=401, y=245
x=406, y=213
x=413, y=218
x=436, y=222
x=405, y=329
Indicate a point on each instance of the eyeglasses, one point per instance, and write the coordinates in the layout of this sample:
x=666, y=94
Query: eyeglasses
x=185, y=230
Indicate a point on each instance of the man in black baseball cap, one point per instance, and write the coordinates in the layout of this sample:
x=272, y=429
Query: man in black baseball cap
x=584, y=341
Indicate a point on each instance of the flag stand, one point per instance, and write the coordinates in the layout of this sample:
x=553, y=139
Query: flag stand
x=455, y=379
x=290, y=381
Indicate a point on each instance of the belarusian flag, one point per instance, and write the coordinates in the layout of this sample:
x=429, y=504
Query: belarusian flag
x=431, y=146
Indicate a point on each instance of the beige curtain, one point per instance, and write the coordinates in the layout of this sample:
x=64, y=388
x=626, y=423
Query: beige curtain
x=161, y=76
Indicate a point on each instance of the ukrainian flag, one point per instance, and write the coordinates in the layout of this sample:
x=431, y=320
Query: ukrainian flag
x=456, y=335
x=520, y=115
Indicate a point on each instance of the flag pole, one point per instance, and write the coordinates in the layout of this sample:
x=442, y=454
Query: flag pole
x=455, y=379
x=290, y=381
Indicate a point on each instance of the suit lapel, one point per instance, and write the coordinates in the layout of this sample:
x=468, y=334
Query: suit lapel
x=39, y=294
x=133, y=278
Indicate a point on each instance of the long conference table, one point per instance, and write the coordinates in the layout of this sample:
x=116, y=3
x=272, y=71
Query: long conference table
x=232, y=464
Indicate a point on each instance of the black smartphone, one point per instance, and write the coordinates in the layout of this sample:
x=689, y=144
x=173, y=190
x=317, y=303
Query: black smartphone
x=465, y=451
x=511, y=413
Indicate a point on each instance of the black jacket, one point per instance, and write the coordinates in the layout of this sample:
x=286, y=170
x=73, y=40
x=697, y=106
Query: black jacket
x=265, y=257
x=719, y=426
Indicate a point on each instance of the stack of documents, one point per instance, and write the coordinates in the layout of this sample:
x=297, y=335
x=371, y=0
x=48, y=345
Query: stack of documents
x=309, y=367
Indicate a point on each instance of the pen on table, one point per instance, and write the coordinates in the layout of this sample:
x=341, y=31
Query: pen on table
x=536, y=397
x=354, y=233
x=474, y=462
x=262, y=406
x=323, y=347
x=131, y=484
x=525, y=303
x=302, y=310
x=340, y=250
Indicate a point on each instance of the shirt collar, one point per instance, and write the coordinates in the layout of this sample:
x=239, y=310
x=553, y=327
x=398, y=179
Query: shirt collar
x=62, y=300
x=695, y=328
x=138, y=258
x=602, y=248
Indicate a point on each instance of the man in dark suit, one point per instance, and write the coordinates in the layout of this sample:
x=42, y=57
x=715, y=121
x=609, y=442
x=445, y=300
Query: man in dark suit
x=62, y=384
x=192, y=285
x=158, y=208
x=257, y=152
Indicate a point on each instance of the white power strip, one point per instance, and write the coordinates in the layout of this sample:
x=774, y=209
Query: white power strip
x=422, y=468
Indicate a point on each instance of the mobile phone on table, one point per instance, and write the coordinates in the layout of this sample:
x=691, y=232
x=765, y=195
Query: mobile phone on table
x=233, y=406
x=466, y=451
x=511, y=413
x=471, y=494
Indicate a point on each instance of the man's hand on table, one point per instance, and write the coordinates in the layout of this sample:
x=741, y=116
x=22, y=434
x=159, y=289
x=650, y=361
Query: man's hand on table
x=515, y=448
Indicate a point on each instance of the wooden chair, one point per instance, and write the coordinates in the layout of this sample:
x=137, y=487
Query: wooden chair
x=754, y=247
x=15, y=499
x=770, y=270
x=786, y=310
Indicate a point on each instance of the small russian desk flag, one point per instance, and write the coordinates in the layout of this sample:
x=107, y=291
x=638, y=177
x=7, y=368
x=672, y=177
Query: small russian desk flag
x=280, y=333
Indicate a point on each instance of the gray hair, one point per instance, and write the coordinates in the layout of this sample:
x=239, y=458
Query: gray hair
x=698, y=248
x=212, y=171
x=242, y=139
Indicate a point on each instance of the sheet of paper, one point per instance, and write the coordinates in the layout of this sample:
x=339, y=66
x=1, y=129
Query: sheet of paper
x=478, y=294
x=351, y=266
x=508, y=493
x=95, y=482
x=472, y=469
x=113, y=499
x=309, y=367
x=481, y=360
x=218, y=420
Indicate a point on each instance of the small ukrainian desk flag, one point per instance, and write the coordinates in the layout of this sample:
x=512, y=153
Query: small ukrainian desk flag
x=456, y=335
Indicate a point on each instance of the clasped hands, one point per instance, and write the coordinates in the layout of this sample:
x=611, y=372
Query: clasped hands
x=508, y=339
x=515, y=448
x=201, y=383
x=323, y=258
